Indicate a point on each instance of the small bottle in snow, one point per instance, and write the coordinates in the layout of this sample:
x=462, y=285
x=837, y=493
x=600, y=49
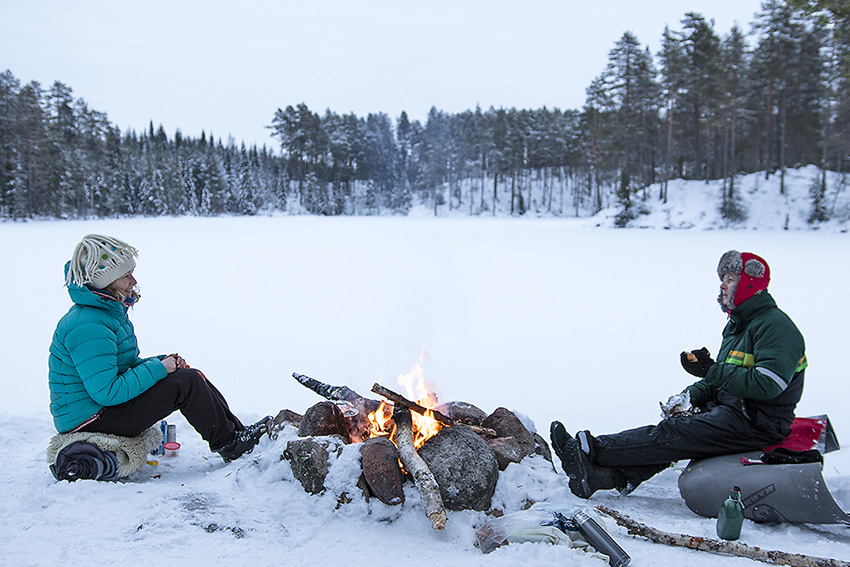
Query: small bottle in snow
x=730, y=518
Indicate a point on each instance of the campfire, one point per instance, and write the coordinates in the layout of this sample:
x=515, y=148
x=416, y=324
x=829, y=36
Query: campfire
x=453, y=452
x=425, y=425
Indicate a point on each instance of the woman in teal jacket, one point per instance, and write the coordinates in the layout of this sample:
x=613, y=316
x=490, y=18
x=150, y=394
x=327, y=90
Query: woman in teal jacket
x=98, y=382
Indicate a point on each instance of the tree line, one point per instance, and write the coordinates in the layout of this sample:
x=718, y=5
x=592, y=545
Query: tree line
x=705, y=106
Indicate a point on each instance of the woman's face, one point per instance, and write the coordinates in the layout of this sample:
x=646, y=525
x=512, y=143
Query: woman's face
x=125, y=283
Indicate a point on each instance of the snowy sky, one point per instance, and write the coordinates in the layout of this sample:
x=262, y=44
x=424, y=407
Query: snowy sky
x=226, y=67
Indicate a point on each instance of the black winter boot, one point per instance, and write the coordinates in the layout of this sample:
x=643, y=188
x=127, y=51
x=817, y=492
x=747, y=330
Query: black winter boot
x=585, y=477
x=244, y=441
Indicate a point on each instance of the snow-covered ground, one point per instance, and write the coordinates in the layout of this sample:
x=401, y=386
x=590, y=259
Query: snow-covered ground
x=556, y=319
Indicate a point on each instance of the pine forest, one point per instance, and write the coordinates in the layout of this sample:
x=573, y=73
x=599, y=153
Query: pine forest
x=708, y=105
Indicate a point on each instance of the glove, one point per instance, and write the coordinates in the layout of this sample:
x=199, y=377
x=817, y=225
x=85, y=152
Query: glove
x=783, y=456
x=697, y=362
x=678, y=405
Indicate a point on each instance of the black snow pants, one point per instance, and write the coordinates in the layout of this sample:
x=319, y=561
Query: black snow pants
x=185, y=389
x=637, y=454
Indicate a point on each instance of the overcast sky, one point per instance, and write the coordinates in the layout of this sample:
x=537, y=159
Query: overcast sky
x=225, y=67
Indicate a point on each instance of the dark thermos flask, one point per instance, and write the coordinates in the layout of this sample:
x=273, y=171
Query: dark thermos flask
x=597, y=537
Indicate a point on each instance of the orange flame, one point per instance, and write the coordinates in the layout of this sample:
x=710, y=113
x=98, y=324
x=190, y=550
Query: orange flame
x=418, y=390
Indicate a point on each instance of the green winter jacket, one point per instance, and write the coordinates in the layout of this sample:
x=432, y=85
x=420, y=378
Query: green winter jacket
x=94, y=359
x=761, y=364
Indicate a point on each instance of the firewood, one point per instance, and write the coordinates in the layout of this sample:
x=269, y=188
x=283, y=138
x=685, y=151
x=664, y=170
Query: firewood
x=719, y=546
x=400, y=400
x=326, y=390
x=413, y=463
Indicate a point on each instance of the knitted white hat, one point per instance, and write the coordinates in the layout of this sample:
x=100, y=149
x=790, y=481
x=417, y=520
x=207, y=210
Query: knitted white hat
x=100, y=260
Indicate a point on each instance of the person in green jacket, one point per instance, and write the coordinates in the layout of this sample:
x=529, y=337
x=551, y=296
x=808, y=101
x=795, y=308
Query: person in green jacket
x=98, y=383
x=743, y=401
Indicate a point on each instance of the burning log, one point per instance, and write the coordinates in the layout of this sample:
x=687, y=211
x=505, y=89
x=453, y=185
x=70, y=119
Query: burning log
x=413, y=463
x=400, y=400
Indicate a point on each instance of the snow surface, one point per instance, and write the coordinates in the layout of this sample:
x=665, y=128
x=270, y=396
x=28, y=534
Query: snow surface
x=554, y=318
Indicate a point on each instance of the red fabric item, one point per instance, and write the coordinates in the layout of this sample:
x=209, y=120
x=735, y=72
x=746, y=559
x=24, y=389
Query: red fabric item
x=805, y=434
x=748, y=285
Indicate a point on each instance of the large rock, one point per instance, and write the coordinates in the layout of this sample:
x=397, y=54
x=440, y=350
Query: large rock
x=379, y=459
x=323, y=418
x=464, y=466
x=309, y=458
x=507, y=451
x=463, y=412
x=542, y=448
x=283, y=417
x=506, y=424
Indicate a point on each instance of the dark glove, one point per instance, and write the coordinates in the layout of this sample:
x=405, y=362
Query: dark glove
x=698, y=367
x=783, y=456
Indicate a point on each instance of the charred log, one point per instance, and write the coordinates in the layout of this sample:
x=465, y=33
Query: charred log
x=327, y=391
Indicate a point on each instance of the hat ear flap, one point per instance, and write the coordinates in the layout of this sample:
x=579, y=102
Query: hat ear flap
x=754, y=268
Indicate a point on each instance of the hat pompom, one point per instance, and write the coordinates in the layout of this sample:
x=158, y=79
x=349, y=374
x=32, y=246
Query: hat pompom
x=100, y=260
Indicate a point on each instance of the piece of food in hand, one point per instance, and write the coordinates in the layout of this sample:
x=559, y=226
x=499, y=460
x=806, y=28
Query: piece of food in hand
x=678, y=405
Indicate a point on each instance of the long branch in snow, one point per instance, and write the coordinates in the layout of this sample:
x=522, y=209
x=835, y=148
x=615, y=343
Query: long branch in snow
x=413, y=463
x=719, y=546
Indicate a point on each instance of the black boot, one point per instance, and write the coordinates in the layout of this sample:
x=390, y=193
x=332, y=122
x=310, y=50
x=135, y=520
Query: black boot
x=585, y=477
x=244, y=441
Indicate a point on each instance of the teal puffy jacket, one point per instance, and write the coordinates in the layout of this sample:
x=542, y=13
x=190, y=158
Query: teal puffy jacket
x=94, y=360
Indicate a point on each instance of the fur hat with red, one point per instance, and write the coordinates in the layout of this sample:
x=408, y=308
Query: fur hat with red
x=753, y=276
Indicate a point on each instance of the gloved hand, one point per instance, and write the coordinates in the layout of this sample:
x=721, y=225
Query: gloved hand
x=697, y=362
x=678, y=405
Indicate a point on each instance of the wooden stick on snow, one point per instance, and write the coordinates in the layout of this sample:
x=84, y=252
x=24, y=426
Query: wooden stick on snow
x=400, y=400
x=718, y=546
x=413, y=463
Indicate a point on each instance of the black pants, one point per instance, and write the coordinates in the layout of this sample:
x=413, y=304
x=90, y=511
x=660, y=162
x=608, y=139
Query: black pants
x=185, y=389
x=639, y=453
